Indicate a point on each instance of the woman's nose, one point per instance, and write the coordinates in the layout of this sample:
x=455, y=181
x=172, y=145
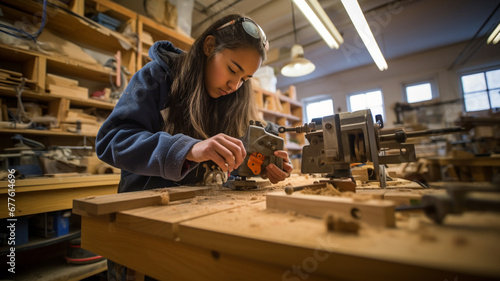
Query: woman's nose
x=234, y=84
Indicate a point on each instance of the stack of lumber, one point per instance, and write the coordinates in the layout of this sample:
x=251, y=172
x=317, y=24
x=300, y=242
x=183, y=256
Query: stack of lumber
x=10, y=78
x=89, y=123
x=65, y=87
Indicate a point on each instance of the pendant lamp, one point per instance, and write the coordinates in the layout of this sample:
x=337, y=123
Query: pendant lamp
x=298, y=65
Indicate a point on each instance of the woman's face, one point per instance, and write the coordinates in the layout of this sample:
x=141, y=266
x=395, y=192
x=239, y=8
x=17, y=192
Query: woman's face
x=227, y=70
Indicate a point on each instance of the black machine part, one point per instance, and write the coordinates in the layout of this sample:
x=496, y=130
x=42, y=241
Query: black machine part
x=459, y=198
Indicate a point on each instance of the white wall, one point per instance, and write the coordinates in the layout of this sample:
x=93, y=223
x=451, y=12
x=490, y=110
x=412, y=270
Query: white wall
x=432, y=64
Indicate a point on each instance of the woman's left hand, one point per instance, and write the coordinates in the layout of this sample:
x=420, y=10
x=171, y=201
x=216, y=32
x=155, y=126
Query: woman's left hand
x=275, y=174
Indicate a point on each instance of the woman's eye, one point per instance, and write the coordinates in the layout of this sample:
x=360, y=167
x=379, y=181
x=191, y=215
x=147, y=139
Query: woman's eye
x=231, y=70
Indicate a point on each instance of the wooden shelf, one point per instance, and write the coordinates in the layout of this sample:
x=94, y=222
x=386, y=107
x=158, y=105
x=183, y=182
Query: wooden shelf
x=283, y=111
x=58, y=64
x=161, y=32
x=273, y=113
x=44, y=194
x=38, y=242
x=57, y=269
x=73, y=27
x=31, y=95
x=43, y=133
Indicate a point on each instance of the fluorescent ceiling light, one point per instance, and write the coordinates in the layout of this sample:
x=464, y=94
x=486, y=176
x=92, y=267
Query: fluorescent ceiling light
x=494, y=36
x=358, y=19
x=318, y=18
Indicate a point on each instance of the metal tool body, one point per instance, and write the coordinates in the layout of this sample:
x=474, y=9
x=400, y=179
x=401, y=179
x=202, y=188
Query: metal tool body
x=260, y=147
x=458, y=199
x=339, y=140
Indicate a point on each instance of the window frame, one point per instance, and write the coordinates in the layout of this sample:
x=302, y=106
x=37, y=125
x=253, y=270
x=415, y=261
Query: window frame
x=315, y=99
x=434, y=89
x=471, y=72
x=348, y=101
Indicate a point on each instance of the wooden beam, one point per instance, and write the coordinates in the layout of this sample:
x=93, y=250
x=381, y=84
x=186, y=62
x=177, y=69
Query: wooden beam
x=107, y=204
x=373, y=212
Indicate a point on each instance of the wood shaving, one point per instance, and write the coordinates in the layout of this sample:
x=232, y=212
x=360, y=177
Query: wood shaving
x=165, y=198
x=328, y=190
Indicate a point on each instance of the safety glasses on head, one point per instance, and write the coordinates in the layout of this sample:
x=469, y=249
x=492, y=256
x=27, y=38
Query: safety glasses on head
x=251, y=28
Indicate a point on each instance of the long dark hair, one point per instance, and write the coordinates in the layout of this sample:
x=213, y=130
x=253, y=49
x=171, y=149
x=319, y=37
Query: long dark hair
x=191, y=110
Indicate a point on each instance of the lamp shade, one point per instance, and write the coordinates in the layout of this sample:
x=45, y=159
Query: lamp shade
x=298, y=65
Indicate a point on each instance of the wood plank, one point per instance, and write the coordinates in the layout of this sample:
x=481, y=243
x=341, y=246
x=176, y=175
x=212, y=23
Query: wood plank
x=163, y=220
x=60, y=81
x=68, y=92
x=373, y=212
x=101, y=205
x=11, y=73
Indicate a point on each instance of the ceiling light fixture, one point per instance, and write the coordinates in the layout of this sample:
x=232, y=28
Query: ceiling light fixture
x=298, y=65
x=318, y=18
x=494, y=36
x=358, y=19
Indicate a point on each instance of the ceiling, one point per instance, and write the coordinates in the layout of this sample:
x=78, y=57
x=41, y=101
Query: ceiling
x=400, y=27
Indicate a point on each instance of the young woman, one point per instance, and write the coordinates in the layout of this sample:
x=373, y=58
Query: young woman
x=185, y=108
x=182, y=109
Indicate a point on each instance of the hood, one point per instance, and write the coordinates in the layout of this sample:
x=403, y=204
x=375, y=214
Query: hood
x=163, y=52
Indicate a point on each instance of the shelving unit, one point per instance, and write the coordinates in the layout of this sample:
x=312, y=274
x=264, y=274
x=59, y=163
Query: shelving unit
x=284, y=111
x=40, y=195
x=157, y=32
x=70, y=22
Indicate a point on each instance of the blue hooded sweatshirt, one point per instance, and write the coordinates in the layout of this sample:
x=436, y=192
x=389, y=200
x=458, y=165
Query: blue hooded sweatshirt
x=132, y=137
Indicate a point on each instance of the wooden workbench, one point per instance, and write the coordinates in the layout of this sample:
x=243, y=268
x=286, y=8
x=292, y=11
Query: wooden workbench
x=45, y=194
x=230, y=235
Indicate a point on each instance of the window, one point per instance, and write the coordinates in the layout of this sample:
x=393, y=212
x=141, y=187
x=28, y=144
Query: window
x=418, y=92
x=318, y=108
x=481, y=90
x=368, y=100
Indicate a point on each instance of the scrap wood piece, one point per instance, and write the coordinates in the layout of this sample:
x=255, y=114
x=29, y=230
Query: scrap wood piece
x=107, y=204
x=377, y=213
x=11, y=73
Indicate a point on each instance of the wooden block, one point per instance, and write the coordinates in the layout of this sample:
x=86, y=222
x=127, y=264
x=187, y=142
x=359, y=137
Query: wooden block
x=360, y=173
x=73, y=115
x=107, y=204
x=373, y=212
x=59, y=109
x=60, y=81
x=259, y=99
x=69, y=92
x=86, y=129
x=291, y=93
x=91, y=162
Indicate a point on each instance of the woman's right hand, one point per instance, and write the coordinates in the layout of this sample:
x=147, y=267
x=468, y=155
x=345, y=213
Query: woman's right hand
x=225, y=151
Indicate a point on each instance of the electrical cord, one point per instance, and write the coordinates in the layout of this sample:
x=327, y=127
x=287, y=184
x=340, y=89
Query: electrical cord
x=21, y=115
x=25, y=35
